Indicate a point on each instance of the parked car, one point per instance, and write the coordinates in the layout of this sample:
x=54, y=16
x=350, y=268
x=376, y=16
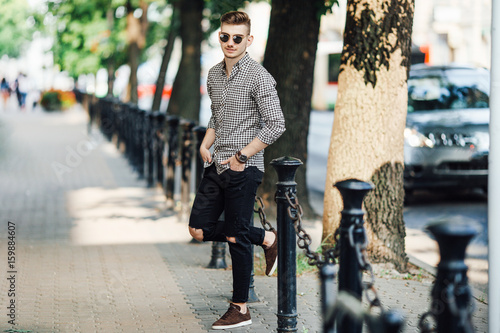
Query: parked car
x=447, y=135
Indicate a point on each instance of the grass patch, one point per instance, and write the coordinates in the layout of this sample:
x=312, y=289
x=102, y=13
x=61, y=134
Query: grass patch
x=259, y=264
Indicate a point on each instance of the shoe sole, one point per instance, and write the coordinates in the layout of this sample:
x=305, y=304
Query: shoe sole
x=275, y=265
x=243, y=323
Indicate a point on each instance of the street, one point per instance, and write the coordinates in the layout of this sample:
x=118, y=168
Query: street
x=422, y=207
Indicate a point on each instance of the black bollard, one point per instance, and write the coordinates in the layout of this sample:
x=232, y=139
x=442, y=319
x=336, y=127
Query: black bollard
x=328, y=273
x=218, y=258
x=287, y=263
x=153, y=142
x=119, y=128
x=128, y=132
x=186, y=160
x=200, y=132
x=160, y=148
x=148, y=145
x=140, y=121
x=172, y=153
x=353, y=192
x=451, y=294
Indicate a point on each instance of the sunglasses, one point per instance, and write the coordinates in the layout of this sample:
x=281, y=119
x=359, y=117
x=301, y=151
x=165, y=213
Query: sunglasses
x=225, y=37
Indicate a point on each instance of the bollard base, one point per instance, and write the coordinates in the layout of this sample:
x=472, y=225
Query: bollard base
x=252, y=296
x=217, y=264
x=218, y=259
x=287, y=322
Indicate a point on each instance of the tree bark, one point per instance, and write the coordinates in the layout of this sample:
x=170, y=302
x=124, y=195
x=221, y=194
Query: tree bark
x=160, y=82
x=110, y=62
x=289, y=57
x=370, y=115
x=111, y=77
x=136, y=38
x=186, y=96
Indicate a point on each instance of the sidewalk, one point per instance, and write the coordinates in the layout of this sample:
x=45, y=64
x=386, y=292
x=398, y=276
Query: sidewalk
x=96, y=250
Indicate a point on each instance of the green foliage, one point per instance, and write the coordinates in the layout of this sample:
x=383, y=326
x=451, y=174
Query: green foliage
x=87, y=36
x=303, y=265
x=215, y=9
x=325, y=6
x=90, y=34
x=15, y=26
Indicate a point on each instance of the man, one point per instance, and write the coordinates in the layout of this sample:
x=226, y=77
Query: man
x=246, y=118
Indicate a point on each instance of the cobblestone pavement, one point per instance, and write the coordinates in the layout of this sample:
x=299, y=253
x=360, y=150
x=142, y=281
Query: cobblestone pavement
x=96, y=250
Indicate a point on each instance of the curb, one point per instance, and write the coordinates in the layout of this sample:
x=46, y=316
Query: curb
x=479, y=295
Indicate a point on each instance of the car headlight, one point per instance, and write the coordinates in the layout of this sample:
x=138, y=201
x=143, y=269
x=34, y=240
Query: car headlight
x=416, y=139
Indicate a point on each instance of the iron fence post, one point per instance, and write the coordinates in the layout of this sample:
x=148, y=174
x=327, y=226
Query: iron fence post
x=140, y=120
x=160, y=147
x=186, y=159
x=128, y=132
x=327, y=273
x=353, y=192
x=451, y=294
x=171, y=152
x=200, y=132
x=286, y=168
x=148, y=145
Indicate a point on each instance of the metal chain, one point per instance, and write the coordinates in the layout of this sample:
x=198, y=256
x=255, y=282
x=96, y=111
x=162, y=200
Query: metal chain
x=262, y=215
x=304, y=241
x=360, y=246
x=316, y=259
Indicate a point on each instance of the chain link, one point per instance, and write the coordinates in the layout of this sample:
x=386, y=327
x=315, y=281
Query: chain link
x=262, y=215
x=304, y=241
x=316, y=259
x=360, y=244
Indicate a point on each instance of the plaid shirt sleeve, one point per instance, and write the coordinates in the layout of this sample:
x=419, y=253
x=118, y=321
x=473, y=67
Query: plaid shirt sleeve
x=211, y=122
x=269, y=107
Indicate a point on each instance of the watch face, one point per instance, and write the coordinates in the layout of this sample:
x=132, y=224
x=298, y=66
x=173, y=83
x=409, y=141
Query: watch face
x=242, y=158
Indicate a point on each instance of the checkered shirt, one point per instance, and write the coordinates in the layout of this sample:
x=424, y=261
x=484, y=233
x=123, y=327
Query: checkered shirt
x=244, y=106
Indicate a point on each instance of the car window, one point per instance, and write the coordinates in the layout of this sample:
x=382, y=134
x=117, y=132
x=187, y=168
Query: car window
x=448, y=90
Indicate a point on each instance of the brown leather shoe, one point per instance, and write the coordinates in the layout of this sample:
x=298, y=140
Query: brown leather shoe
x=233, y=318
x=271, y=254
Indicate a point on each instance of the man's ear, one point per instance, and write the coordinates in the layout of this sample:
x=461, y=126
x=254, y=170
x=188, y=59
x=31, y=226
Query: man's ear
x=250, y=40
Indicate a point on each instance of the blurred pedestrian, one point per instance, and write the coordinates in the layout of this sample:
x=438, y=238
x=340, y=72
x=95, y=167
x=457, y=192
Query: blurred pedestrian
x=246, y=118
x=5, y=91
x=22, y=89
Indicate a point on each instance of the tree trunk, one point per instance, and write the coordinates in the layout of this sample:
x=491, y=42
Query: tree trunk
x=160, y=82
x=186, y=95
x=370, y=115
x=289, y=57
x=111, y=77
x=136, y=38
x=110, y=61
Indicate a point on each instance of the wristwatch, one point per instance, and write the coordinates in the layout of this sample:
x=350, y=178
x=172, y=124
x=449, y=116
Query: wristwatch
x=240, y=157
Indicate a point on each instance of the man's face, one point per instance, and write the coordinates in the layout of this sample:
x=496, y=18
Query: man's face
x=231, y=49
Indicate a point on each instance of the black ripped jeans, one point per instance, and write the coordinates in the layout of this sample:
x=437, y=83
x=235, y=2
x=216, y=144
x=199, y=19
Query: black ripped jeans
x=233, y=193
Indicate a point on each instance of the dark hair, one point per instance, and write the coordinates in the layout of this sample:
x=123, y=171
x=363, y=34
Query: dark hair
x=236, y=18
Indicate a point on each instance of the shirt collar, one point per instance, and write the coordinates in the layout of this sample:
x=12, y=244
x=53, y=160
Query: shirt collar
x=240, y=64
